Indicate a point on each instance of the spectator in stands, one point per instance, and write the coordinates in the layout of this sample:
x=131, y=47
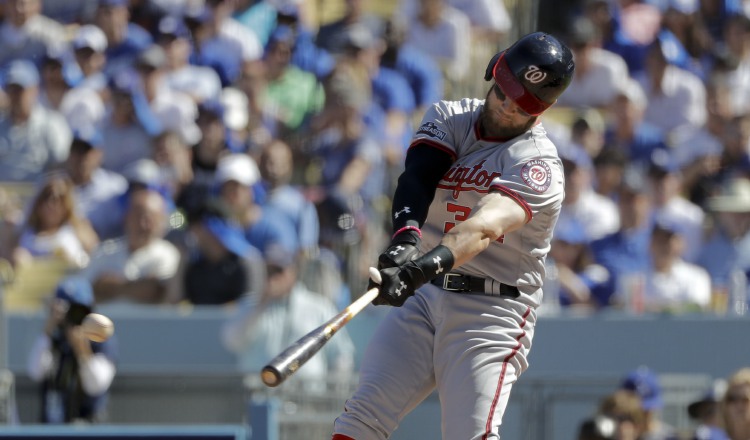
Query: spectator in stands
x=645, y=384
x=596, y=213
x=130, y=126
x=599, y=73
x=292, y=95
x=75, y=374
x=443, y=33
x=677, y=97
x=420, y=71
x=26, y=33
x=609, y=169
x=213, y=144
x=587, y=132
x=125, y=39
x=276, y=168
x=172, y=147
x=33, y=140
x=55, y=79
x=625, y=253
x=266, y=324
x=90, y=46
x=624, y=407
x=221, y=42
x=53, y=229
x=93, y=185
x=705, y=411
x=672, y=284
x=726, y=251
x=733, y=59
x=199, y=82
x=263, y=226
x=223, y=266
x=140, y=267
x=489, y=19
x=332, y=36
x=670, y=206
x=306, y=54
x=580, y=282
x=735, y=406
x=628, y=130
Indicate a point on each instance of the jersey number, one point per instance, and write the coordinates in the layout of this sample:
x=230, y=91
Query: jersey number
x=461, y=213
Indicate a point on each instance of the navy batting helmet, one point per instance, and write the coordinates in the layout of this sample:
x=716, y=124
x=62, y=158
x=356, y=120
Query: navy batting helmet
x=533, y=72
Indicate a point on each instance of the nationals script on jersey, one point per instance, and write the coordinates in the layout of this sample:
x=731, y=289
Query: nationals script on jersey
x=526, y=168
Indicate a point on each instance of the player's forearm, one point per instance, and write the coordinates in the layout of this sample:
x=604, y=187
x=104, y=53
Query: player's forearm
x=494, y=216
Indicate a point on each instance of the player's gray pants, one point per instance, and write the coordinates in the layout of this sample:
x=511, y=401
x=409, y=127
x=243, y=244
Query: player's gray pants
x=470, y=347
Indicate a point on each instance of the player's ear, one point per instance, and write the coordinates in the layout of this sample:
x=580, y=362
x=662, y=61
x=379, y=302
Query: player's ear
x=491, y=66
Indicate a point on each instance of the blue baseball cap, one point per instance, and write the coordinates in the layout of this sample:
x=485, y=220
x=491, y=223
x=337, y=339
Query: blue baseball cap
x=91, y=137
x=22, y=73
x=229, y=235
x=75, y=290
x=171, y=26
x=645, y=383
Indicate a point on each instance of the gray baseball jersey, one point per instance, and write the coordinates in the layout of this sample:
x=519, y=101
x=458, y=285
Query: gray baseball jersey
x=525, y=168
x=470, y=347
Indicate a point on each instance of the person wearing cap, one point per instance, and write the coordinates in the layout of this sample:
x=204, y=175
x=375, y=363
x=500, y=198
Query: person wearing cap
x=443, y=33
x=578, y=282
x=89, y=47
x=677, y=97
x=93, y=184
x=26, y=33
x=624, y=408
x=125, y=39
x=57, y=75
x=726, y=250
x=138, y=268
x=645, y=384
x=75, y=373
x=706, y=413
x=33, y=139
x=263, y=325
x=600, y=73
x=263, y=226
x=332, y=36
x=222, y=266
x=199, y=82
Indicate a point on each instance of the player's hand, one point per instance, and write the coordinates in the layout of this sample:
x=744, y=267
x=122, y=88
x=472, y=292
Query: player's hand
x=403, y=248
x=398, y=284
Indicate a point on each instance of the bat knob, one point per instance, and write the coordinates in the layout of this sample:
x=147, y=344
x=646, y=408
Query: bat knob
x=375, y=275
x=270, y=377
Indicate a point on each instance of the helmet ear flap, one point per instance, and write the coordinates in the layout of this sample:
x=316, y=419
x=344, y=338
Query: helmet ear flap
x=491, y=66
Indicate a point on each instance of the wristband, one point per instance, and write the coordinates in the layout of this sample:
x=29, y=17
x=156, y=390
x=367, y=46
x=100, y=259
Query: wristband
x=436, y=262
x=407, y=228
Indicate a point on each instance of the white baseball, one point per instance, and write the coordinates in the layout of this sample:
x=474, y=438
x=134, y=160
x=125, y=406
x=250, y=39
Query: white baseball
x=97, y=328
x=375, y=275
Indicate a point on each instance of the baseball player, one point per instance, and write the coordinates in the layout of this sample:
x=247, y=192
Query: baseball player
x=473, y=215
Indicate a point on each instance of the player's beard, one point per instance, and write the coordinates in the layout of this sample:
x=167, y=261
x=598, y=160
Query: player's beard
x=496, y=125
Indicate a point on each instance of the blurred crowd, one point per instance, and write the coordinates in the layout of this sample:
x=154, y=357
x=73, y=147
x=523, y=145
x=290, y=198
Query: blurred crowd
x=634, y=410
x=188, y=151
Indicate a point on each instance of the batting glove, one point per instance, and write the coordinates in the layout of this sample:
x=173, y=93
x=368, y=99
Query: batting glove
x=403, y=248
x=399, y=283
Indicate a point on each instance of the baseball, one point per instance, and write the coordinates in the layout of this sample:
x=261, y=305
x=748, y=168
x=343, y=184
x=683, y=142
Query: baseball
x=97, y=328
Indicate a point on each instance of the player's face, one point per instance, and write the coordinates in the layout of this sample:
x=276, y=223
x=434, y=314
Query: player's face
x=503, y=118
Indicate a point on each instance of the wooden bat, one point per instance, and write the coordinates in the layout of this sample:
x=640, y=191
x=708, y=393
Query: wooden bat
x=290, y=360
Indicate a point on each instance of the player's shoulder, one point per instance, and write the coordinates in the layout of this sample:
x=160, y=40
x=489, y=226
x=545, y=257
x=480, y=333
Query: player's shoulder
x=466, y=106
x=534, y=144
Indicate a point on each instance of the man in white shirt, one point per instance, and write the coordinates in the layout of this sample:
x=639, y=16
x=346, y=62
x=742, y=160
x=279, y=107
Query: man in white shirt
x=139, y=267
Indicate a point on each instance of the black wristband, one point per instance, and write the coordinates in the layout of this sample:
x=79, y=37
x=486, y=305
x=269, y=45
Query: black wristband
x=436, y=262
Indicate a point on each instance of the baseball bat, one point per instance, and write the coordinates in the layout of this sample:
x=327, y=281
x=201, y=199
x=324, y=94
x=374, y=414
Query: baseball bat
x=290, y=360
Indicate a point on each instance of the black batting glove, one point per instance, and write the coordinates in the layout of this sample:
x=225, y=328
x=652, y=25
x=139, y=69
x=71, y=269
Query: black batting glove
x=403, y=248
x=397, y=284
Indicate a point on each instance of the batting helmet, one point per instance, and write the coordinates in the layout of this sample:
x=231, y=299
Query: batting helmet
x=533, y=72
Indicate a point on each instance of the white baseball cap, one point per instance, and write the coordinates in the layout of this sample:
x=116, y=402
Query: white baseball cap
x=238, y=167
x=178, y=115
x=236, y=114
x=90, y=36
